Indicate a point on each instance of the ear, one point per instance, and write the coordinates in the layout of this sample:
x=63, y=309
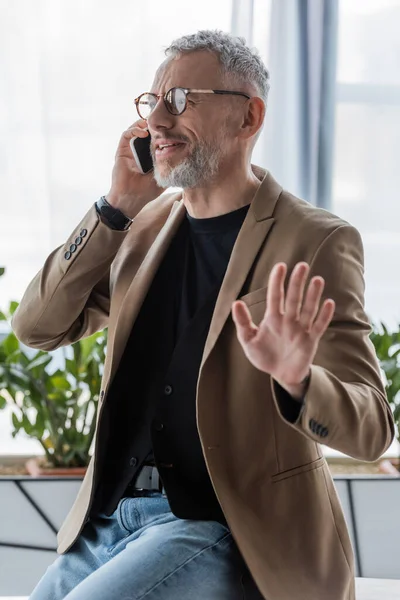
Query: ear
x=253, y=117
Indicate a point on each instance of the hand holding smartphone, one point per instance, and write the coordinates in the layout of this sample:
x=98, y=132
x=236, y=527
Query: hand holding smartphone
x=130, y=188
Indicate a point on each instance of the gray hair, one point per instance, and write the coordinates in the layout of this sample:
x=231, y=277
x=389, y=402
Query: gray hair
x=237, y=60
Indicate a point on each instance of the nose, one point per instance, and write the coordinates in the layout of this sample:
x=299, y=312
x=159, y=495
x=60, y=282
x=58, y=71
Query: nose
x=160, y=118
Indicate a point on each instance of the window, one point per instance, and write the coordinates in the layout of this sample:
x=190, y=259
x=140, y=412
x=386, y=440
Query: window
x=366, y=171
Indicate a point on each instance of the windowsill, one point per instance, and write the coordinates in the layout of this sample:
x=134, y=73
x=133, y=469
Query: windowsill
x=332, y=456
x=16, y=459
x=392, y=452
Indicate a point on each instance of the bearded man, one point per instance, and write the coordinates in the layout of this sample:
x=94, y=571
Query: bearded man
x=237, y=343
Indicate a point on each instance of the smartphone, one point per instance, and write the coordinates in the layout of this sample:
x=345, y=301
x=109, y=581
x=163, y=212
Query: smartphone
x=141, y=152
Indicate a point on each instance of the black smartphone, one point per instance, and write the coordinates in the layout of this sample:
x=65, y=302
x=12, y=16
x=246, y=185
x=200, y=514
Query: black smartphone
x=141, y=152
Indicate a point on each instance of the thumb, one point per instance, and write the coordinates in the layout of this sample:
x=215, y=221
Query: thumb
x=245, y=328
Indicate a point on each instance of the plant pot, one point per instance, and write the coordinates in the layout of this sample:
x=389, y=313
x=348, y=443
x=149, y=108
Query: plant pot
x=37, y=468
x=390, y=467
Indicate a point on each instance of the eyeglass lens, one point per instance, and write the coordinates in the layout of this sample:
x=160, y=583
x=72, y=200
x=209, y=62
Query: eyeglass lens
x=175, y=100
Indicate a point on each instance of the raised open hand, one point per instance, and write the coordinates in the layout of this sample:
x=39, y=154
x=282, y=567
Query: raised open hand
x=286, y=341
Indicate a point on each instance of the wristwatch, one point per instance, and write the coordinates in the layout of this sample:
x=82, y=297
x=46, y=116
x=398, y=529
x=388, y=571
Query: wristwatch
x=112, y=216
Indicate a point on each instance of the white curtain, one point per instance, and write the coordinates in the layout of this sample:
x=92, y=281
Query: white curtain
x=243, y=19
x=300, y=51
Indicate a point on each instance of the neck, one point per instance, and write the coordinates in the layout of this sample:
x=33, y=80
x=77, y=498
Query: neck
x=232, y=189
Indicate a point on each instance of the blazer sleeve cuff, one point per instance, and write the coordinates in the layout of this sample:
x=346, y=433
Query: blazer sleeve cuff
x=289, y=408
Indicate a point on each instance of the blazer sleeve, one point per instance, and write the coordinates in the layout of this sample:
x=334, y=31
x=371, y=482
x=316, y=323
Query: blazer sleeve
x=345, y=406
x=69, y=298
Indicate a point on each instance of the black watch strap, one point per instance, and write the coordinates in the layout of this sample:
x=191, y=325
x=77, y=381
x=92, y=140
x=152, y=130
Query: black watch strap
x=112, y=216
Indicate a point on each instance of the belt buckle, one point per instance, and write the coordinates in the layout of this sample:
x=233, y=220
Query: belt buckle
x=152, y=479
x=155, y=474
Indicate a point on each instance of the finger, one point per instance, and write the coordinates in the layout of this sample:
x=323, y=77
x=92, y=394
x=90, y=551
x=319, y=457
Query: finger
x=276, y=291
x=135, y=132
x=312, y=303
x=295, y=291
x=245, y=328
x=139, y=123
x=324, y=318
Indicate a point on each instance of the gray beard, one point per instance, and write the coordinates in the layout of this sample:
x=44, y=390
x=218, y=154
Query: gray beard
x=198, y=168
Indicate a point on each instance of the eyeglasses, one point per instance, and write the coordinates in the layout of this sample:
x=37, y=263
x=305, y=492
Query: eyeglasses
x=175, y=100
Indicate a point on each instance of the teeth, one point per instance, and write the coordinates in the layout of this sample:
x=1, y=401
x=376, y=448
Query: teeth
x=166, y=146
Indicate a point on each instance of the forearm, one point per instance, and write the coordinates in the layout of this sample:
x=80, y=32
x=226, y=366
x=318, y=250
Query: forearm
x=353, y=418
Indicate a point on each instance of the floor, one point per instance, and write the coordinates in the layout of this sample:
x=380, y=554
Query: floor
x=366, y=589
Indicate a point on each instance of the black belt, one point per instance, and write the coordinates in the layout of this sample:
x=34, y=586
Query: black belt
x=148, y=479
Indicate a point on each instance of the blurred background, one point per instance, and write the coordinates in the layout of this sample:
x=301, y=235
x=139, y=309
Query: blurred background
x=70, y=69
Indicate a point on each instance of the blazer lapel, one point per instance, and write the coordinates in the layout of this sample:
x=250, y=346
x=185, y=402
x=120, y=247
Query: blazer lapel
x=140, y=284
x=255, y=228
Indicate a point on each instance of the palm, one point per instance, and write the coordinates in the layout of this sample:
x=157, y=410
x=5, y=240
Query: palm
x=275, y=350
x=285, y=343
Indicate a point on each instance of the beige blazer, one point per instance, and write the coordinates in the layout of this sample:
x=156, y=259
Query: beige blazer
x=269, y=475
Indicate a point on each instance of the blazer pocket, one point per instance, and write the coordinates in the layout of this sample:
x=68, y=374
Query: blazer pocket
x=312, y=466
x=255, y=297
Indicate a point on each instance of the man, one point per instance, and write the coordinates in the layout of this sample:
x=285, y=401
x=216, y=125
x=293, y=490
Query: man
x=237, y=342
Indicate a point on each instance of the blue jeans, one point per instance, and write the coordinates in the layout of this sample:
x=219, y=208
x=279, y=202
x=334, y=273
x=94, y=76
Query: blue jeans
x=143, y=552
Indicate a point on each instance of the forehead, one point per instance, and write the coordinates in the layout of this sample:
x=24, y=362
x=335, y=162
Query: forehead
x=199, y=69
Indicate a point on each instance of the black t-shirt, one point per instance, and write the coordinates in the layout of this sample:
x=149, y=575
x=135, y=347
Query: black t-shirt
x=209, y=244
x=199, y=256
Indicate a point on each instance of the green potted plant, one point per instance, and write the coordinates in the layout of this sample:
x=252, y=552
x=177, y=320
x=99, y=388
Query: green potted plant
x=387, y=347
x=56, y=405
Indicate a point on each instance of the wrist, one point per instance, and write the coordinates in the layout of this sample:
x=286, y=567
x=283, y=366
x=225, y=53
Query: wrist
x=297, y=390
x=111, y=216
x=126, y=204
x=116, y=201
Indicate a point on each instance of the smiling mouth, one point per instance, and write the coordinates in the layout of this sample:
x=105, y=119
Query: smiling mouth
x=167, y=149
x=163, y=146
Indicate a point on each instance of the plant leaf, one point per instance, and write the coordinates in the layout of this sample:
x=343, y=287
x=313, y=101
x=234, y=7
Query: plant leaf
x=10, y=344
x=13, y=307
x=26, y=424
x=41, y=359
x=54, y=404
x=71, y=367
x=60, y=382
x=16, y=422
